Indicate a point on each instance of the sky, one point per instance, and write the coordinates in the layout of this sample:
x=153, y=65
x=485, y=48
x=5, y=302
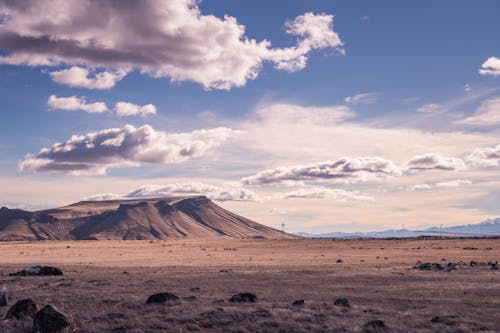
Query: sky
x=323, y=115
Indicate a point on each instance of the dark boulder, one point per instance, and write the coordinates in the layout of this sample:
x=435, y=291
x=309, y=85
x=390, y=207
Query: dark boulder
x=161, y=298
x=339, y=261
x=49, y=320
x=243, y=297
x=342, y=302
x=446, y=320
x=4, y=297
x=374, y=326
x=299, y=302
x=39, y=271
x=22, y=308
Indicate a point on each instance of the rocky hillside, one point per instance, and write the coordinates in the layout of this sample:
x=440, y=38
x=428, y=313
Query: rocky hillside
x=164, y=218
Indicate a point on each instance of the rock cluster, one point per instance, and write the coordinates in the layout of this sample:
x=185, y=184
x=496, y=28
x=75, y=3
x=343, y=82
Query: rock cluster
x=433, y=266
x=39, y=271
x=46, y=320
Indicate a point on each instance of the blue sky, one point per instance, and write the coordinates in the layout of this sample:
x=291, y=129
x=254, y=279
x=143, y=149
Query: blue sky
x=397, y=106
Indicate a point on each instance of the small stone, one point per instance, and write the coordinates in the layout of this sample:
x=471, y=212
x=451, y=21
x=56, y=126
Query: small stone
x=299, y=302
x=342, y=302
x=339, y=261
x=22, y=308
x=49, y=320
x=243, y=297
x=162, y=298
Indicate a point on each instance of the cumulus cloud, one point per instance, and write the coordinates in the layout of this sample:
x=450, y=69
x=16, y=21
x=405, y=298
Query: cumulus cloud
x=490, y=67
x=213, y=192
x=484, y=157
x=488, y=113
x=365, y=98
x=94, y=153
x=218, y=193
x=129, y=109
x=451, y=183
x=79, y=77
x=432, y=161
x=74, y=103
x=344, y=169
x=161, y=38
x=321, y=192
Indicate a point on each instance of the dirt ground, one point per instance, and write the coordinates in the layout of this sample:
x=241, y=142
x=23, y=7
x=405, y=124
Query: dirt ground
x=106, y=283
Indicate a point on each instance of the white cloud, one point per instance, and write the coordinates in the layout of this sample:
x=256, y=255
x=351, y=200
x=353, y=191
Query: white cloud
x=430, y=108
x=129, y=109
x=161, y=38
x=282, y=113
x=365, y=98
x=321, y=192
x=467, y=87
x=484, y=157
x=79, y=77
x=344, y=169
x=74, y=103
x=432, y=161
x=450, y=183
x=94, y=153
x=490, y=67
x=488, y=113
x=218, y=193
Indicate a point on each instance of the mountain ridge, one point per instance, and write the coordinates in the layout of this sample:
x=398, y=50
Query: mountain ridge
x=186, y=217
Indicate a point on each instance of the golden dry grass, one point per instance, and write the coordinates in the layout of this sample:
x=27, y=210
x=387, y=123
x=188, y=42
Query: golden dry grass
x=106, y=284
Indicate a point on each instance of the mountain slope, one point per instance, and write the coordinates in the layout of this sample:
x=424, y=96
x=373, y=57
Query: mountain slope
x=164, y=218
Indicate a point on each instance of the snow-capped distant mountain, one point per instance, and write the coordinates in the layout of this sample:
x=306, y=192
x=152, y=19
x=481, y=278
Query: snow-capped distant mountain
x=489, y=227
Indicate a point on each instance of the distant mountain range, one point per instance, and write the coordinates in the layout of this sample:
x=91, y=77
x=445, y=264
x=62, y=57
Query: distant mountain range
x=487, y=228
x=191, y=217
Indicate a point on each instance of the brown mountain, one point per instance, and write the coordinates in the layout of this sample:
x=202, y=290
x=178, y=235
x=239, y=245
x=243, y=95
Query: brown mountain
x=193, y=217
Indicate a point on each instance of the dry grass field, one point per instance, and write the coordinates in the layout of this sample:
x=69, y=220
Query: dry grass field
x=106, y=284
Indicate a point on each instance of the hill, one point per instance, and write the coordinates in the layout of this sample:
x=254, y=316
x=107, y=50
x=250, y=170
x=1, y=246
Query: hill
x=192, y=217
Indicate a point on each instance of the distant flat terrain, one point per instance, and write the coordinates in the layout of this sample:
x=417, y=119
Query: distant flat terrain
x=106, y=284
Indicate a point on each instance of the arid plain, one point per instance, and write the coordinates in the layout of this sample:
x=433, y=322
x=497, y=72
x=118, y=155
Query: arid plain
x=106, y=283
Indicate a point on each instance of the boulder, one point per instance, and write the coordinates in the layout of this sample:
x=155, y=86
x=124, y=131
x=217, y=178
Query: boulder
x=49, y=320
x=342, y=302
x=22, y=308
x=374, y=326
x=4, y=297
x=39, y=271
x=161, y=298
x=243, y=297
x=299, y=302
x=339, y=261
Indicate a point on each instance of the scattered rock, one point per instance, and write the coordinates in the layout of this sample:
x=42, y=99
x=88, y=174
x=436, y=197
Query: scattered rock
x=374, y=326
x=428, y=266
x=243, y=297
x=195, y=289
x=446, y=320
x=22, y=308
x=299, y=302
x=473, y=263
x=49, y=320
x=342, y=302
x=339, y=261
x=39, y=271
x=494, y=265
x=224, y=271
x=161, y=298
x=471, y=248
x=449, y=267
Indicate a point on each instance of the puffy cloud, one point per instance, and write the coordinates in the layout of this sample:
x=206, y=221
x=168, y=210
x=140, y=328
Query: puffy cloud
x=488, y=113
x=321, y=192
x=430, y=108
x=433, y=161
x=79, y=77
x=451, y=183
x=344, y=169
x=74, y=103
x=484, y=157
x=490, y=67
x=94, y=153
x=161, y=38
x=218, y=193
x=129, y=109
x=365, y=98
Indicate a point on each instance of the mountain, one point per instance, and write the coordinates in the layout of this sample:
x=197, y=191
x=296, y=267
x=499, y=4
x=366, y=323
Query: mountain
x=191, y=217
x=487, y=228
